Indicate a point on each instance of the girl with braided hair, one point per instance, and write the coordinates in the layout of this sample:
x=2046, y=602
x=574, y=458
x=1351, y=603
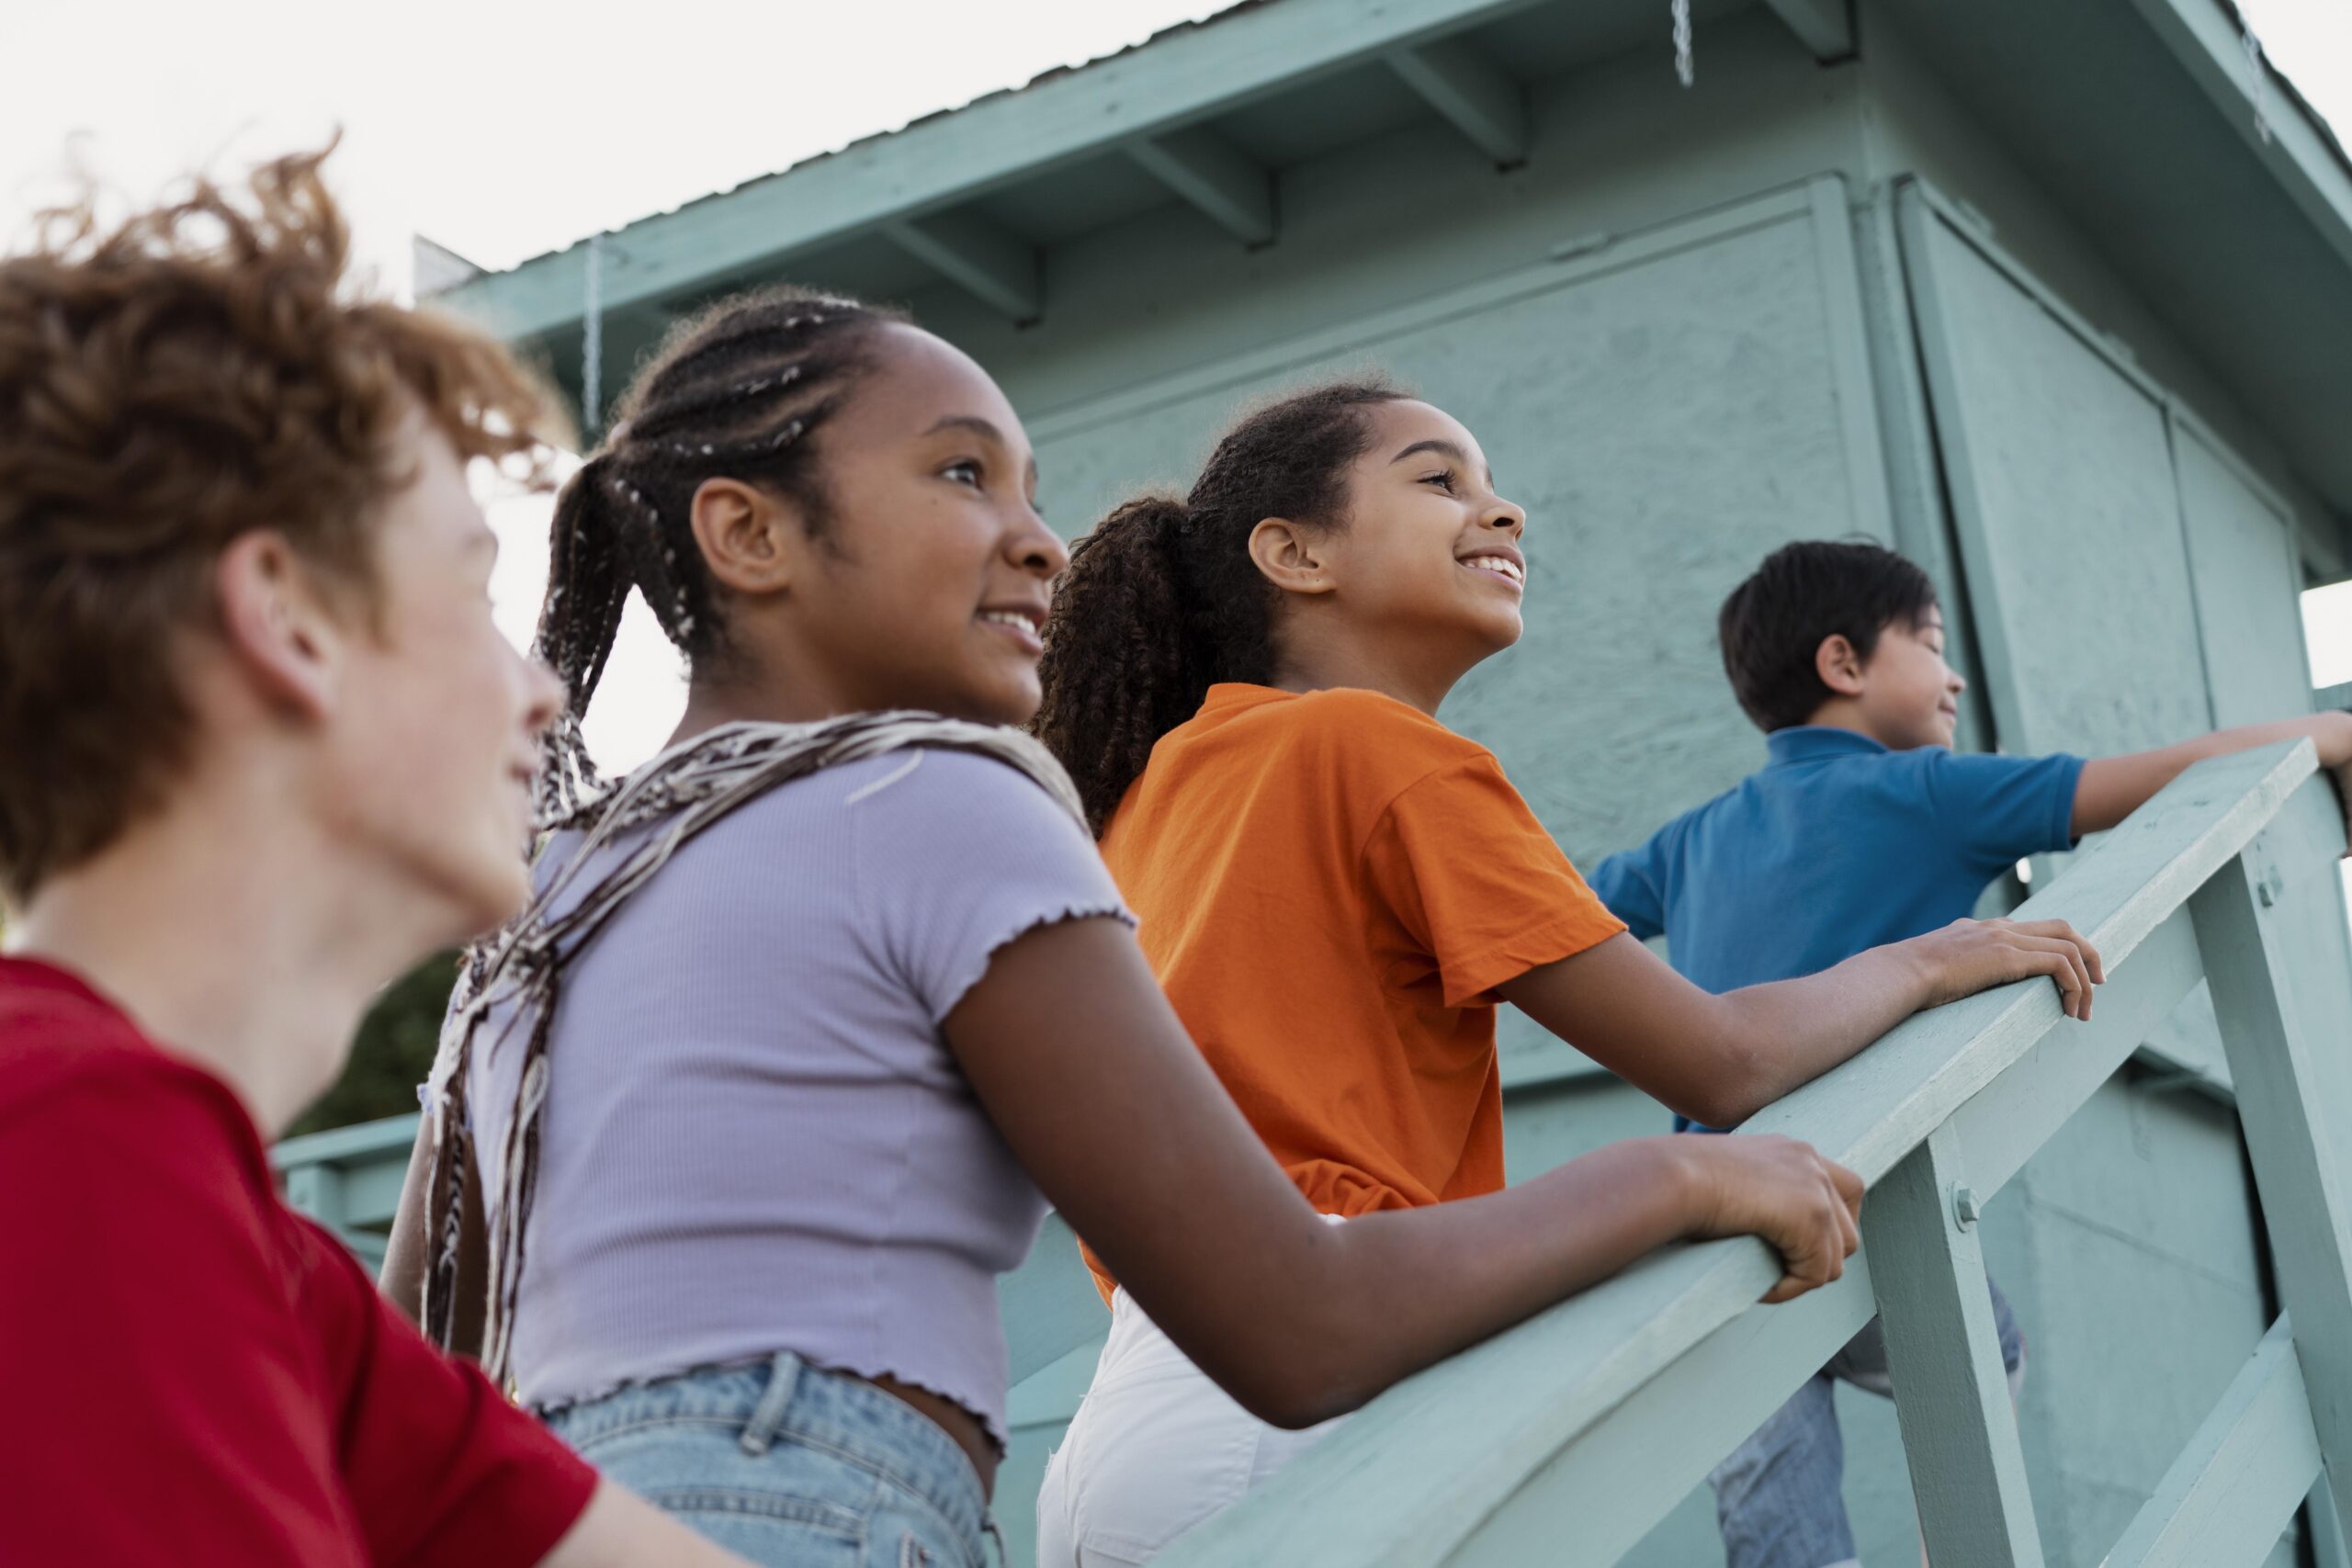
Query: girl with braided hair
x=808, y=1018
x=1336, y=891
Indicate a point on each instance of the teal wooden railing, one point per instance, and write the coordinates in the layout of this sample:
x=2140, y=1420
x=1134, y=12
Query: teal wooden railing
x=1564, y=1440
x=349, y=1179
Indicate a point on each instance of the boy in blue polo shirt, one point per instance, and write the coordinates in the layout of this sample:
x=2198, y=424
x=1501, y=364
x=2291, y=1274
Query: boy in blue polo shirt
x=1863, y=828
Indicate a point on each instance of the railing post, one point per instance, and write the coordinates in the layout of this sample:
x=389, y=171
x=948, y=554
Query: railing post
x=2303, y=1199
x=316, y=1190
x=1943, y=1352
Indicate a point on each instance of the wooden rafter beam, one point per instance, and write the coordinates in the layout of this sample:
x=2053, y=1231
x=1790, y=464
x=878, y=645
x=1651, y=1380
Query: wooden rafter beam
x=1474, y=95
x=978, y=256
x=1824, y=27
x=1234, y=192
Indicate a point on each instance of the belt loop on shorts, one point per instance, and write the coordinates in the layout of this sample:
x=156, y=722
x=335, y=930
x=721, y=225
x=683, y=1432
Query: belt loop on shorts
x=784, y=1374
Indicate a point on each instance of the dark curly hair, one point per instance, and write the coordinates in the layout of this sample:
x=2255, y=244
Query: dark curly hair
x=1773, y=624
x=166, y=384
x=738, y=390
x=1162, y=600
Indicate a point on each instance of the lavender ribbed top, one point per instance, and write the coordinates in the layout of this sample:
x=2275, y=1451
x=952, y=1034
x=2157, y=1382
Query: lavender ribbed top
x=755, y=1137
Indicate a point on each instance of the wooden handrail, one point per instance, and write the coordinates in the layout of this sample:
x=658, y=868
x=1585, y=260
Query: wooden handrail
x=1439, y=1469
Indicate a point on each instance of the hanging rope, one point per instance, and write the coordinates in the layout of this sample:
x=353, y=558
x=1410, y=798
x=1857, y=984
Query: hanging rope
x=592, y=346
x=1683, y=69
x=2261, y=75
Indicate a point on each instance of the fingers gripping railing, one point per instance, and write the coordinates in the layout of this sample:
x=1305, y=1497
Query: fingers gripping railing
x=1564, y=1440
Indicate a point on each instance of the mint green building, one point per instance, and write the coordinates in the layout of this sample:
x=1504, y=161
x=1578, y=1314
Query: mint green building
x=2053, y=295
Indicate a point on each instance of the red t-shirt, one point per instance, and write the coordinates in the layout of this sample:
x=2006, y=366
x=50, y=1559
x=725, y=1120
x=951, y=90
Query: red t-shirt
x=196, y=1374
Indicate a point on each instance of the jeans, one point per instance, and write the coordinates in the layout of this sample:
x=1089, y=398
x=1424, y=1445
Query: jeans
x=1778, y=1497
x=790, y=1465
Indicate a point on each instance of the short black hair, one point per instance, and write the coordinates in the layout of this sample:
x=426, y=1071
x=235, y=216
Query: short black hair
x=1774, y=623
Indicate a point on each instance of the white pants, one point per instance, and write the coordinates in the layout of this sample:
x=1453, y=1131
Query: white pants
x=1156, y=1448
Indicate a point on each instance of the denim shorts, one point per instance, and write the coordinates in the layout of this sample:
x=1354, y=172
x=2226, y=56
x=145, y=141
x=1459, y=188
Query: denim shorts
x=790, y=1465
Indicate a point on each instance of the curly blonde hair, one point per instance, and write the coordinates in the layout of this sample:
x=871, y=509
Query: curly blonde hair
x=166, y=384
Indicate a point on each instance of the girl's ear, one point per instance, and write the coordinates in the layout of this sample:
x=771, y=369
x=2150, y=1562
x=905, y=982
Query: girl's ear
x=752, y=541
x=1839, y=667
x=1290, y=558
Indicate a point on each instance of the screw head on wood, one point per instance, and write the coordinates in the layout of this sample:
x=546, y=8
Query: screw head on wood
x=1964, y=1206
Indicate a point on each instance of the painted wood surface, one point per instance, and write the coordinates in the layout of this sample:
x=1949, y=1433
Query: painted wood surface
x=1414, y=1478
x=2295, y=1145
x=2063, y=497
x=950, y=161
x=1943, y=1354
x=2237, y=1485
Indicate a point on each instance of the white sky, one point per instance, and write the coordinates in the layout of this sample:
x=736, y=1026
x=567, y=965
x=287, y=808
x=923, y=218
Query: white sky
x=502, y=131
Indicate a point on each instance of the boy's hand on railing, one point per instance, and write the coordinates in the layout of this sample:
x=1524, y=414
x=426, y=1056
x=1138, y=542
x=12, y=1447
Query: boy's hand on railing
x=1807, y=1207
x=1969, y=956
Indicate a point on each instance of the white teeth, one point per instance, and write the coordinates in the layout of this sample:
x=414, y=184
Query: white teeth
x=1501, y=566
x=1009, y=618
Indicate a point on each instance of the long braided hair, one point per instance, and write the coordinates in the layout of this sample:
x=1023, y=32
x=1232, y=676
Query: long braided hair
x=739, y=391
x=1162, y=600
x=736, y=392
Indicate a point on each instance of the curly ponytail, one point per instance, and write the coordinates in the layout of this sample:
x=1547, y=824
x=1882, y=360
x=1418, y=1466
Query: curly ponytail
x=1162, y=600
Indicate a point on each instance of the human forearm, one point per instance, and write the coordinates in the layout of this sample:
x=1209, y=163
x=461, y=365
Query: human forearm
x=1495, y=1261
x=1719, y=1059
x=2113, y=787
x=1785, y=1034
x=1508, y=1256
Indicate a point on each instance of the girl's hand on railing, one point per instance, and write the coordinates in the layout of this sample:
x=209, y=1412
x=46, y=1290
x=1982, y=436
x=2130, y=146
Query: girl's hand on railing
x=1807, y=1207
x=1969, y=956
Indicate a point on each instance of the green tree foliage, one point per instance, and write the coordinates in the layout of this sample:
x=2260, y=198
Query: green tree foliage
x=392, y=1053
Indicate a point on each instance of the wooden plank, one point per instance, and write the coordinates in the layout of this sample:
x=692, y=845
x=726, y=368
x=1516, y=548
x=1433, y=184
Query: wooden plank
x=1943, y=1356
x=2297, y=154
x=1233, y=192
x=995, y=266
x=1182, y=79
x=1049, y=1304
x=2008, y=1122
x=1608, y=1488
x=1823, y=27
x=1866, y=476
x=2059, y=457
x=1471, y=93
x=1366, y=334
x=1428, y=1464
x=393, y=1135
x=2292, y=1146
x=2229, y=1496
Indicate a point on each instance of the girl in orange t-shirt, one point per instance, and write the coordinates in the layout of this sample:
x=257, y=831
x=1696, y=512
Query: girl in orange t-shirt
x=1336, y=890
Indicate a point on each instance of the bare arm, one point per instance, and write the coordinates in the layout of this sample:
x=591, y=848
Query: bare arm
x=1720, y=1059
x=1085, y=1068
x=2113, y=787
x=620, y=1530
x=403, y=1278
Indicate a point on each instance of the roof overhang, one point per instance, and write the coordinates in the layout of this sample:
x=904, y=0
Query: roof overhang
x=2139, y=116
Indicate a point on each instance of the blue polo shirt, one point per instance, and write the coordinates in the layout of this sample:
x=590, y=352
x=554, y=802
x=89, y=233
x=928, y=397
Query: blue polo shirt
x=1838, y=844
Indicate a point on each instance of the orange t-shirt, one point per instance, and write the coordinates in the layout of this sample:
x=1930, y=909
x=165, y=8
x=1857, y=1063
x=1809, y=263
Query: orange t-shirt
x=1330, y=886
